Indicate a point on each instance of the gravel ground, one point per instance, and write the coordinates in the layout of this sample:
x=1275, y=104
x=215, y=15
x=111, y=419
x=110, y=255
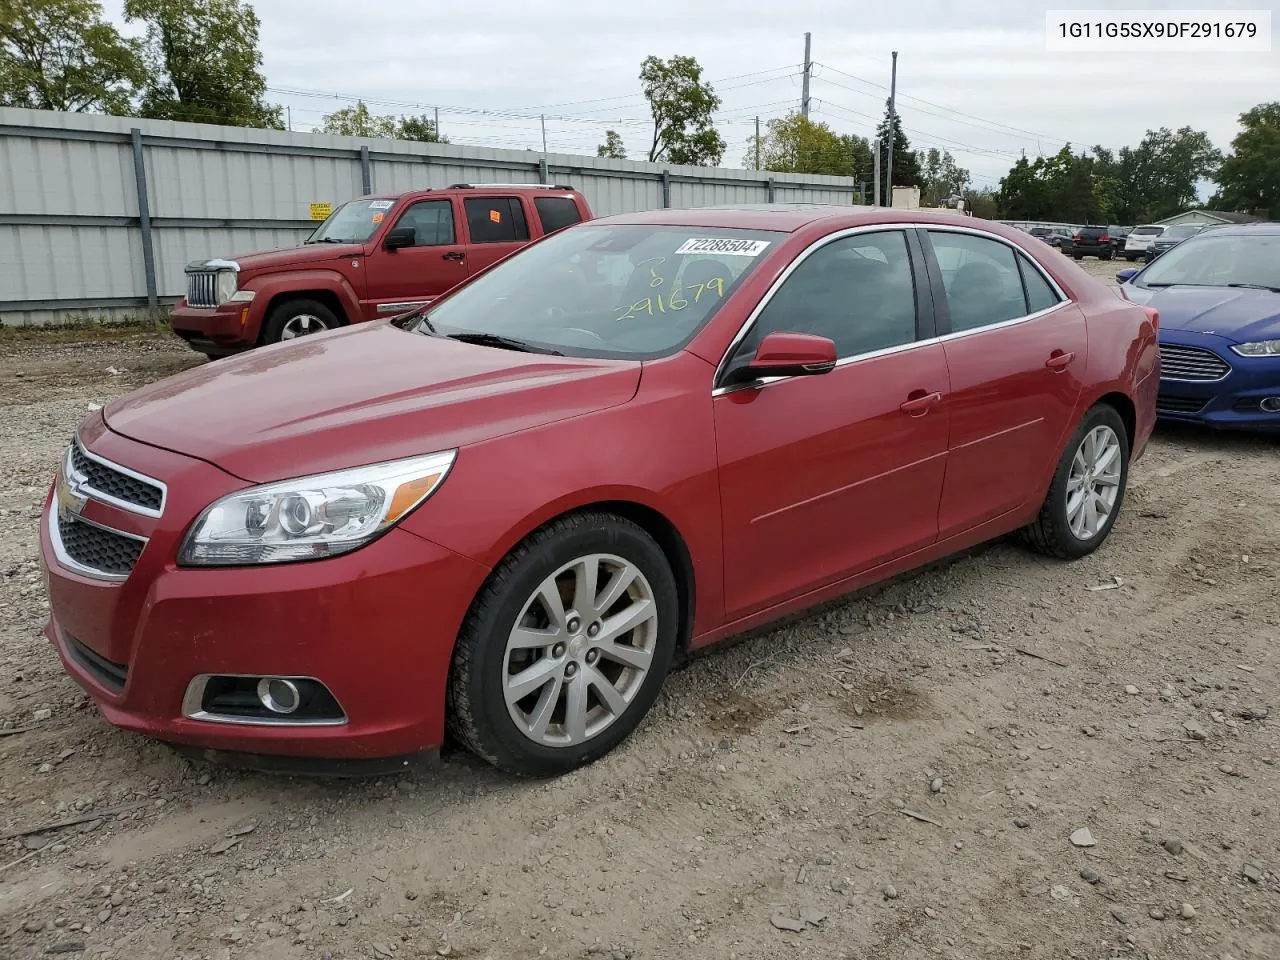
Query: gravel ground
x=998, y=757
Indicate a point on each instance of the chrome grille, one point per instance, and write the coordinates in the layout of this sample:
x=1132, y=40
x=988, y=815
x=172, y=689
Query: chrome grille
x=102, y=478
x=97, y=548
x=202, y=288
x=1191, y=363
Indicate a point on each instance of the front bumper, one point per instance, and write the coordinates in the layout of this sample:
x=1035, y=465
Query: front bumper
x=1233, y=402
x=376, y=627
x=230, y=328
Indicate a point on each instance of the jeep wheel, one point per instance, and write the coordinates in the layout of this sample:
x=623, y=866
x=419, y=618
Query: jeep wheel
x=298, y=318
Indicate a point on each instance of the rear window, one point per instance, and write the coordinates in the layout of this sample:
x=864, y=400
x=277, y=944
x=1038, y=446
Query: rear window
x=556, y=213
x=1148, y=231
x=495, y=219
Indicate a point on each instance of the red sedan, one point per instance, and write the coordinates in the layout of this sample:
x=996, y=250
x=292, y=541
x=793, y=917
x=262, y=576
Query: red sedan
x=504, y=515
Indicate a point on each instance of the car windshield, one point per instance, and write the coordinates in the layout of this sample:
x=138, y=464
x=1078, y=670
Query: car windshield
x=1218, y=261
x=353, y=222
x=602, y=290
x=1179, y=233
x=1148, y=231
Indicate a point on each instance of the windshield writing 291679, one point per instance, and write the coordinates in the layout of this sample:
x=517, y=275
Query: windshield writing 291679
x=678, y=298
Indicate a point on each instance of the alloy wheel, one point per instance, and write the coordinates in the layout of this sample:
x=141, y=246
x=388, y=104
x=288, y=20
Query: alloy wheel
x=1093, y=485
x=580, y=650
x=301, y=325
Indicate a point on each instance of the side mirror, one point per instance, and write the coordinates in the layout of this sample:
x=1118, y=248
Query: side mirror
x=400, y=237
x=782, y=354
x=1127, y=274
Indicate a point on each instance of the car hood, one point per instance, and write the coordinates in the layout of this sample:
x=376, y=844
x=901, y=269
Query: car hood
x=265, y=260
x=1234, y=313
x=360, y=395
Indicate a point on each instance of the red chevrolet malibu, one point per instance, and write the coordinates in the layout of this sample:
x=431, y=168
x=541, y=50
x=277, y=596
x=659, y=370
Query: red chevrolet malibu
x=504, y=515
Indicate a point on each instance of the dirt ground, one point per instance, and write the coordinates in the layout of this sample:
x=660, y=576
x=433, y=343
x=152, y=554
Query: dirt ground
x=900, y=775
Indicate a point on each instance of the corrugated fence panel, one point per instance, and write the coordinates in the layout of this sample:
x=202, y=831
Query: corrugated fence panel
x=71, y=238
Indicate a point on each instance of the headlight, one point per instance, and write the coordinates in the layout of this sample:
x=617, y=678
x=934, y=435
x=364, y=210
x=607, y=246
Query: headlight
x=312, y=517
x=1259, y=348
x=226, y=285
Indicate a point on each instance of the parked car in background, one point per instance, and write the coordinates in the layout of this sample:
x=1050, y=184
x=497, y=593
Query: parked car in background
x=1218, y=294
x=508, y=512
x=1171, y=237
x=1092, y=241
x=1139, y=239
x=1119, y=238
x=373, y=257
x=1053, y=236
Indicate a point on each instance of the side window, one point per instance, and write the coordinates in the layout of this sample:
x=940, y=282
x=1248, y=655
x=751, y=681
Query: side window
x=1040, y=296
x=857, y=291
x=556, y=213
x=981, y=280
x=495, y=219
x=431, y=222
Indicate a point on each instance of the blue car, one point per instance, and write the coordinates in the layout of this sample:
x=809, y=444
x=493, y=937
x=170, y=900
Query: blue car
x=1218, y=295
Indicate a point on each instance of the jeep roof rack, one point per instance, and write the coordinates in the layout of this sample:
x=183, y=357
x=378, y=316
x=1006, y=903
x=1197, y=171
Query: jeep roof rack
x=508, y=186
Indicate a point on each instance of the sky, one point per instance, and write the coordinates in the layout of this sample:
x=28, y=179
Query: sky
x=974, y=78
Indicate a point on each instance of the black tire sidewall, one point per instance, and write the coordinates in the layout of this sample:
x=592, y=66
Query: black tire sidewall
x=1067, y=542
x=492, y=726
x=283, y=313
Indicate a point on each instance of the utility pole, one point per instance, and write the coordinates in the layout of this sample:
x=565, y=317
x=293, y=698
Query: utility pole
x=544, y=137
x=757, y=143
x=893, y=127
x=808, y=69
x=289, y=113
x=437, y=123
x=876, y=172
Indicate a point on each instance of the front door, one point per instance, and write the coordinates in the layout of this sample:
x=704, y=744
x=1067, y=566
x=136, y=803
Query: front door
x=1015, y=352
x=399, y=280
x=824, y=476
x=496, y=226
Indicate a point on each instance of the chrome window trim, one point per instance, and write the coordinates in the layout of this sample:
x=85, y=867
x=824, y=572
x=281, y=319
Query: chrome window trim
x=403, y=306
x=717, y=391
x=97, y=494
x=64, y=559
x=194, y=697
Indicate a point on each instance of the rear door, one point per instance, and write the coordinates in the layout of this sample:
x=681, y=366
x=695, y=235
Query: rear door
x=496, y=226
x=825, y=476
x=1015, y=350
x=400, y=280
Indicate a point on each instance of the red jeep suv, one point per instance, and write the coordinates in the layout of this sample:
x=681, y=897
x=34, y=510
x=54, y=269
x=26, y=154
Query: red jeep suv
x=376, y=256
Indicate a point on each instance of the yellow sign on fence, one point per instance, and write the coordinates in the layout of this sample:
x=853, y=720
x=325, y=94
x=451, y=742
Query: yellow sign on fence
x=321, y=211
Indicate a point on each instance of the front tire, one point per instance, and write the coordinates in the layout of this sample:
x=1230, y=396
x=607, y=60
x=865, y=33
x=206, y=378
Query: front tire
x=565, y=649
x=1088, y=488
x=298, y=318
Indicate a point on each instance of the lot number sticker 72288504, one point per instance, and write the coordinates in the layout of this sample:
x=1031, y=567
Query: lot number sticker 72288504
x=724, y=245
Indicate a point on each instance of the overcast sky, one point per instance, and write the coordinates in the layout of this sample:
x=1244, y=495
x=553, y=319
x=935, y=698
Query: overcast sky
x=973, y=77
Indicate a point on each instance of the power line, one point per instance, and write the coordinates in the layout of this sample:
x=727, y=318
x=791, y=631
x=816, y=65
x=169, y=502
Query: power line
x=794, y=71
x=1030, y=133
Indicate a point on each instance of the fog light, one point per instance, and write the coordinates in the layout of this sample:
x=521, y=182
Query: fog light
x=1270, y=404
x=279, y=696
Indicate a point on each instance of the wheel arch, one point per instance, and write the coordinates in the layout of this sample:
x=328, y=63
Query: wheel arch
x=1123, y=405
x=320, y=295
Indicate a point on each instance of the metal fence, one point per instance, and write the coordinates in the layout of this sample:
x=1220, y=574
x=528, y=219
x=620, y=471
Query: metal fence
x=99, y=215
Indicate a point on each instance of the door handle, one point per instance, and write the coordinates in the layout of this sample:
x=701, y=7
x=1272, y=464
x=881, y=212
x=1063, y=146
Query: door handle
x=453, y=255
x=919, y=403
x=1058, y=360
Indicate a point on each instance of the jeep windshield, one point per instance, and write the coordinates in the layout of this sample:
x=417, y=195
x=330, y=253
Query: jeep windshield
x=628, y=291
x=353, y=222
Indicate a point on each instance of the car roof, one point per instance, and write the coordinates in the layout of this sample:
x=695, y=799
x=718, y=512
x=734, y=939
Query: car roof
x=1264, y=228
x=558, y=190
x=790, y=217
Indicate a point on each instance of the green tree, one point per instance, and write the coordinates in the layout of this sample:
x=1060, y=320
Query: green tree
x=940, y=177
x=1162, y=172
x=357, y=121
x=204, y=61
x=906, y=165
x=423, y=129
x=59, y=55
x=612, y=148
x=798, y=144
x=682, y=104
x=983, y=203
x=1060, y=188
x=1249, y=179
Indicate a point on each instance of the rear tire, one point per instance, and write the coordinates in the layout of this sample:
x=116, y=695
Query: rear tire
x=593, y=649
x=297, y=318
x=1095, y=464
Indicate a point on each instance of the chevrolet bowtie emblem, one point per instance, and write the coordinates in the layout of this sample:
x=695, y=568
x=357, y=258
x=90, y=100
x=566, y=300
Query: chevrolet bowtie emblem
x=68, y=495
